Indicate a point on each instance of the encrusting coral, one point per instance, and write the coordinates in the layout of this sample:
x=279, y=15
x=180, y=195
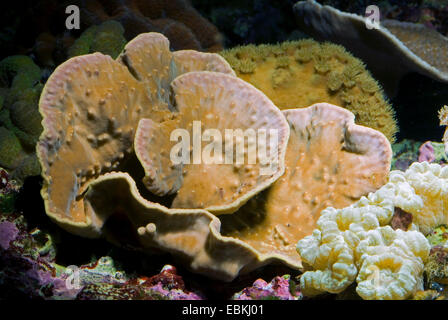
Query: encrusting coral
x=215, y=179
x=20, y=121
x=91, y=106
x=280, y=288
x=443, y=117
x=97, y=110
x=400, y=46
x=357, y=242
x=329, y=161
x=297, y=74
x=90, y=118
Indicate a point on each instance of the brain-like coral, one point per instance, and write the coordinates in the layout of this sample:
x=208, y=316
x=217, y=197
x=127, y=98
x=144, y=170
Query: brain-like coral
x=91, y=106
x=298, y=74
x=401, y=46
x=358, y=242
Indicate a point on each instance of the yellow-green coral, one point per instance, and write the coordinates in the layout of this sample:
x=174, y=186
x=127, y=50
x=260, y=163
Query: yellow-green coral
x=107, y=38
x=357, y=242
x=298, y=74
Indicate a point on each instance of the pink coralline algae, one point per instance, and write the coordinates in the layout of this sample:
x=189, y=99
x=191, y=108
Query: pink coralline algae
x=280, y=288
x=8, y=233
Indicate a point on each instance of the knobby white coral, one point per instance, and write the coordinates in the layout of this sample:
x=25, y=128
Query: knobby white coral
x=356, y=242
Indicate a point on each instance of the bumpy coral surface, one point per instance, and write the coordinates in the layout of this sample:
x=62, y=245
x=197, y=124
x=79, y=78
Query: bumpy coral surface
x=176, y=19
x=436, y=268
x=280, y=288
x=428, y=184
x=298, y=74
x=357, y=243
x=91, y=106
x=443, y=117
x=107, y=38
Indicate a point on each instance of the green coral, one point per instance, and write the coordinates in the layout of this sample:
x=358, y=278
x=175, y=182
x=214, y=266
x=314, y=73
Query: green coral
x=10, y=148
x=107, y=38
x=7, y=202
x=20, y=120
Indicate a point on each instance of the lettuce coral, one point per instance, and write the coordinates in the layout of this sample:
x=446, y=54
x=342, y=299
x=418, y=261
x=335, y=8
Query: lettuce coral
x=357, y=243
x=298, y=74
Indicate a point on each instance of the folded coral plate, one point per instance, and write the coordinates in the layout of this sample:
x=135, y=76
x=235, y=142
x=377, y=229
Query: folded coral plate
x=390, y=51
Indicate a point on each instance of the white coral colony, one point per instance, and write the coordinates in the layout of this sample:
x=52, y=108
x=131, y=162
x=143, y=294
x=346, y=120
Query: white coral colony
x=357, y=243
